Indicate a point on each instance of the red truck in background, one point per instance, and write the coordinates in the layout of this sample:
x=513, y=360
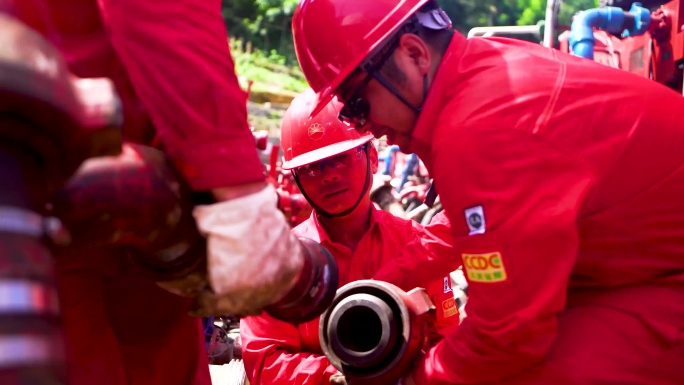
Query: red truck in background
x=645, y=38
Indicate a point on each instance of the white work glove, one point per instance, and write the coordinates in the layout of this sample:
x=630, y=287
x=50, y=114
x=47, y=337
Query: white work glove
x=252, y=258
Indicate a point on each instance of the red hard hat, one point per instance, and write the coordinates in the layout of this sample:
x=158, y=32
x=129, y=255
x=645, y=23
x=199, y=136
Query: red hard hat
x=332, y=37
x=307, y=140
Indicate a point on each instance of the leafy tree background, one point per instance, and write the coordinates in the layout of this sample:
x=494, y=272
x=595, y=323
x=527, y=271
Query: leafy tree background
x=265, y=24
x=262, y=48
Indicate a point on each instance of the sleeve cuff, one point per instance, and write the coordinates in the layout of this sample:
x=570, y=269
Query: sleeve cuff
x=225, y=163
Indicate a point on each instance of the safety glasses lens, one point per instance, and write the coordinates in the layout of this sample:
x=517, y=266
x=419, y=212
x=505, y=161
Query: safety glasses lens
x=337, y=162
x=355, y=112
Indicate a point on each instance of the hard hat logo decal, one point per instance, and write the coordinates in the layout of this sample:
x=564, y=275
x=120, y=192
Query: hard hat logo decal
x=316, y=131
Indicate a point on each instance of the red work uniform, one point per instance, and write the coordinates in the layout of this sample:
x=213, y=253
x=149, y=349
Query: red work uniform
x=275, y=352
x=172, y=68
x=409, y=271
x=563, y=181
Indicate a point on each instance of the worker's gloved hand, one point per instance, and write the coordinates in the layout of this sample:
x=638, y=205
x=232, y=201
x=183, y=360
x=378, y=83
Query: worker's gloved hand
x=189, y=286
x=338, y=379
x=252, y=258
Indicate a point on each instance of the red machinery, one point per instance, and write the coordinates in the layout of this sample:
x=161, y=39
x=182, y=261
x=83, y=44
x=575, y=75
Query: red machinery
x=644, y=38
x=50, y=123
x=125, y=196
x=290, y=200
x=657, y=54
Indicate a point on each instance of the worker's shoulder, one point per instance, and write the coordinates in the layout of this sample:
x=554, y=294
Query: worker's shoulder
x=500, y=81
x=395, y=223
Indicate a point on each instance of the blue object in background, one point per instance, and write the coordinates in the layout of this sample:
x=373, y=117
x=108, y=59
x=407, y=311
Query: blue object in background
x=389, y=151
x=208, y=326
x=609, y=19
x=411, y=163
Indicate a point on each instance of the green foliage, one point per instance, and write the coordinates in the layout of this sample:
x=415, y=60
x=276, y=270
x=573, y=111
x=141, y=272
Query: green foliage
x=267, y=71
x=466, y=14
x=266, y=25
x=532, y=11
x=571, y=7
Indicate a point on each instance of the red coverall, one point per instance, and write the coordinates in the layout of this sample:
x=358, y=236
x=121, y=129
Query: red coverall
x=409, y=271
x=563, y=181
x=275, y=352
x=171, y=66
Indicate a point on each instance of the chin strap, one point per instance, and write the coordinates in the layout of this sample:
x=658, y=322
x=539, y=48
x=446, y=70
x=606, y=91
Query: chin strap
x=435, y=19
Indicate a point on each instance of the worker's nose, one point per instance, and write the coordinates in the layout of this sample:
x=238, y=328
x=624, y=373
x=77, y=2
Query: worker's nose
x=330, y=175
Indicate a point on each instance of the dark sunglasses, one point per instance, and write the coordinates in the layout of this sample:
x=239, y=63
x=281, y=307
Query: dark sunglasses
x=356, y=108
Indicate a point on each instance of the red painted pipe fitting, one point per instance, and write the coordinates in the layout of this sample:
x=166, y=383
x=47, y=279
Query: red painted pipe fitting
x=64, y=120
x=261, y=139
x=49, y=123
x=315, y=287
x=137, y=202
x=294, y=206
x=373, y=331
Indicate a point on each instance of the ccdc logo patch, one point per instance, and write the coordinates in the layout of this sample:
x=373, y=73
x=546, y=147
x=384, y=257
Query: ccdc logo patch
x=487, y=267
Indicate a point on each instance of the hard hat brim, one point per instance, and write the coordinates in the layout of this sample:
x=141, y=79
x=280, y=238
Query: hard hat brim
x=325, y=152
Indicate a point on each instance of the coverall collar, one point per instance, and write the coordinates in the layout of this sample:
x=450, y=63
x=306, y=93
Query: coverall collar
x=315, y=230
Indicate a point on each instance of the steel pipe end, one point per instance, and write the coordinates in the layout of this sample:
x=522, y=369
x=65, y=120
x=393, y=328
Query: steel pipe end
x=315, y=288
x=373, y=330
x=363, y=330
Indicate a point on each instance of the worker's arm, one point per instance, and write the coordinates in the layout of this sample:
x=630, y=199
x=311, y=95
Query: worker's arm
x=414, y=266
x=521, y=197
x=272, y=353
x=425, y=258
x=177, y=57
x=446, y=318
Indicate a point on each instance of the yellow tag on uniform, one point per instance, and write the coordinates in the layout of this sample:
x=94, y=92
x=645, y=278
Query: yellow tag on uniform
x=487, y=267
x=449, y=307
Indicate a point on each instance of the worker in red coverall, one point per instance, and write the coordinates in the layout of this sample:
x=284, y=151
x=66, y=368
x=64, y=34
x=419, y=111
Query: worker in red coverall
x=333, y=166
x=172, y=68
x=562, y=180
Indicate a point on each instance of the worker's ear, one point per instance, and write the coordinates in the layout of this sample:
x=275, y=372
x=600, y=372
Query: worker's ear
x=412, y=50
x=373, y=157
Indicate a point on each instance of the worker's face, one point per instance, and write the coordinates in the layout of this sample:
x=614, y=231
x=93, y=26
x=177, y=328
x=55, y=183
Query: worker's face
x=386, y=114
x=335, y=184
